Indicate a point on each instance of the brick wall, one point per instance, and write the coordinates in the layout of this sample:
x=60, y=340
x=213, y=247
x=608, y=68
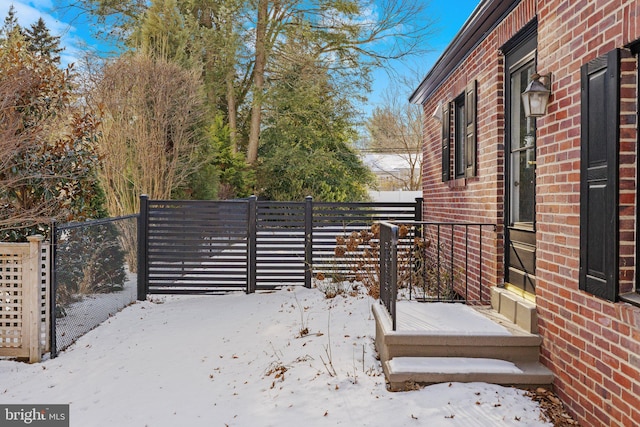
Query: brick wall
x=480, y=198
x=593, y=346
x=627, y=170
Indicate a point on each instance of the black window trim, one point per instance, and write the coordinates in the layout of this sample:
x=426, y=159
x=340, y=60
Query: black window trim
x=459, y=137
x=445, y=143
x=464, y=138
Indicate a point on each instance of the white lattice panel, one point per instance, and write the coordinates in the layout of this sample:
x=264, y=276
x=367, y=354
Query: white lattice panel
x=11, y=294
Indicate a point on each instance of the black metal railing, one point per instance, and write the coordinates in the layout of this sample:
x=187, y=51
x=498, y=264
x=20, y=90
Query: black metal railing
x=389, y=268
x=434, y=262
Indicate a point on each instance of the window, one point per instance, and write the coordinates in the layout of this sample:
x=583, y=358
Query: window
x=632, y=294
x=463, y=112
x=460, y=137
x=446, y=143
x=600, y=124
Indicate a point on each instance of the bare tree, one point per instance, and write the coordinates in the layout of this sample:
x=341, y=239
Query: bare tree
x=395, y=129
x=151, y=109
x=344, y=35
x=239, y=42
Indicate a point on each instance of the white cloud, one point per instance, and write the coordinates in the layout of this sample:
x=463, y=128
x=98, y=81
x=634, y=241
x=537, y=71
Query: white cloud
x=29, y=11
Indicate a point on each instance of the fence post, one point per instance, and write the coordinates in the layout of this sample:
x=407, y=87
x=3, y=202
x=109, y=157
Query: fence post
x=45, y=285
x=418, y=217
x=143, y=270
x=389, y=268
x=419, y=204
x=308, y=240
x=31, y=277
x=251, y=245
x=393, y=253
x=53, y=283
x=417, y=229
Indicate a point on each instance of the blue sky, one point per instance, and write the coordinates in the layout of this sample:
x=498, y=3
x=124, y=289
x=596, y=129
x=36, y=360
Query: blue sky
x=448, y=17
x=72, y=31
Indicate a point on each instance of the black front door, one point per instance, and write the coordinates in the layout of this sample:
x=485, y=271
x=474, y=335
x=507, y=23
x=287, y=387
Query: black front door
x=520, y=175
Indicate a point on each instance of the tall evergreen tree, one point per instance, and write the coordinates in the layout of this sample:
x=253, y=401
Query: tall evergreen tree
x=163, y=33
x=244, y=39
x=42, y=43
x=10, y=24
x=308, y=134
x=240, y=47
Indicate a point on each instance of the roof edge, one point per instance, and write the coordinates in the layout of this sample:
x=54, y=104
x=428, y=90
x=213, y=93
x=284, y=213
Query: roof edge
x=484, y=18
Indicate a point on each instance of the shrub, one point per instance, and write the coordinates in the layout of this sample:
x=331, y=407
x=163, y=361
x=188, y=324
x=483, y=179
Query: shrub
x=89, y=260
x=422, y=268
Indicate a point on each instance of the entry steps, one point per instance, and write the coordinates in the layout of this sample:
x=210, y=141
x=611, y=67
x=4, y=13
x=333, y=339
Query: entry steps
x=404, y=372
x=498, y=352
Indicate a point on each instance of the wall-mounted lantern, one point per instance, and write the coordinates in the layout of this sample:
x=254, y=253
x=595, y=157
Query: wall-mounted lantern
x=535, y=97
x=437, y=114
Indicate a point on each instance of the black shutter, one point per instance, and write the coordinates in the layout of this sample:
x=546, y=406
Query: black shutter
x=446, y=147
x=471, y=143
x=600, y=124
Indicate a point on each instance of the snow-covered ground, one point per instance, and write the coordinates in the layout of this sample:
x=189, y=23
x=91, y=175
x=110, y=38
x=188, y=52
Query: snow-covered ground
x=285, y=358
x=91, y=310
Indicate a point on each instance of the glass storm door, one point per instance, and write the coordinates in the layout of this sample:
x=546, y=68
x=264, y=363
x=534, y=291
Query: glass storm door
x=520, y=236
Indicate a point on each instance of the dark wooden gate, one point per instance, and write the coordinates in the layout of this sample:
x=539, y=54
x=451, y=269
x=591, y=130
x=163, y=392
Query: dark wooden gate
x=191, y=247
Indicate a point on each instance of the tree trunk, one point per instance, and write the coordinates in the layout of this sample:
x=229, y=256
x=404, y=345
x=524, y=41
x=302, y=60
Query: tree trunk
x=231, y=106
x=258, y=81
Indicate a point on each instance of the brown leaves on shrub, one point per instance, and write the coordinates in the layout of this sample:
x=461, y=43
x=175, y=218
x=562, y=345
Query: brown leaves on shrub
x=375, y=230
x=357, y=260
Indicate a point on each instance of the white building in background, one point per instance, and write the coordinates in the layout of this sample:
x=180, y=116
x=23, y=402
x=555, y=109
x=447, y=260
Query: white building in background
x=394, y=196
x=394, y=170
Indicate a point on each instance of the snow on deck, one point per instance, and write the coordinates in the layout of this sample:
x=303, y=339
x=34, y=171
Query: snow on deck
x=444, y=318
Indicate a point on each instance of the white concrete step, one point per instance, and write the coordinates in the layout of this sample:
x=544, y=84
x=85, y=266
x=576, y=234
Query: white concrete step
x=440, y=343
x=404, y=373
x=510, y=344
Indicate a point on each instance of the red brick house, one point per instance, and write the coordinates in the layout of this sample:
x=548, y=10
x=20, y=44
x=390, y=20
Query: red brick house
x=562, y=187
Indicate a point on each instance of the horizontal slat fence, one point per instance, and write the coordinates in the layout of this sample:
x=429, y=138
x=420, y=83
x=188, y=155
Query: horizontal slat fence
x=196, y=246
x=351, y=223
x=212, y=246
x=280, y=243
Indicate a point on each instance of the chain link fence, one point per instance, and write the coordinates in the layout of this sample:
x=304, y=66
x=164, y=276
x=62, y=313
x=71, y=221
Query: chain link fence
x=94, y=275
